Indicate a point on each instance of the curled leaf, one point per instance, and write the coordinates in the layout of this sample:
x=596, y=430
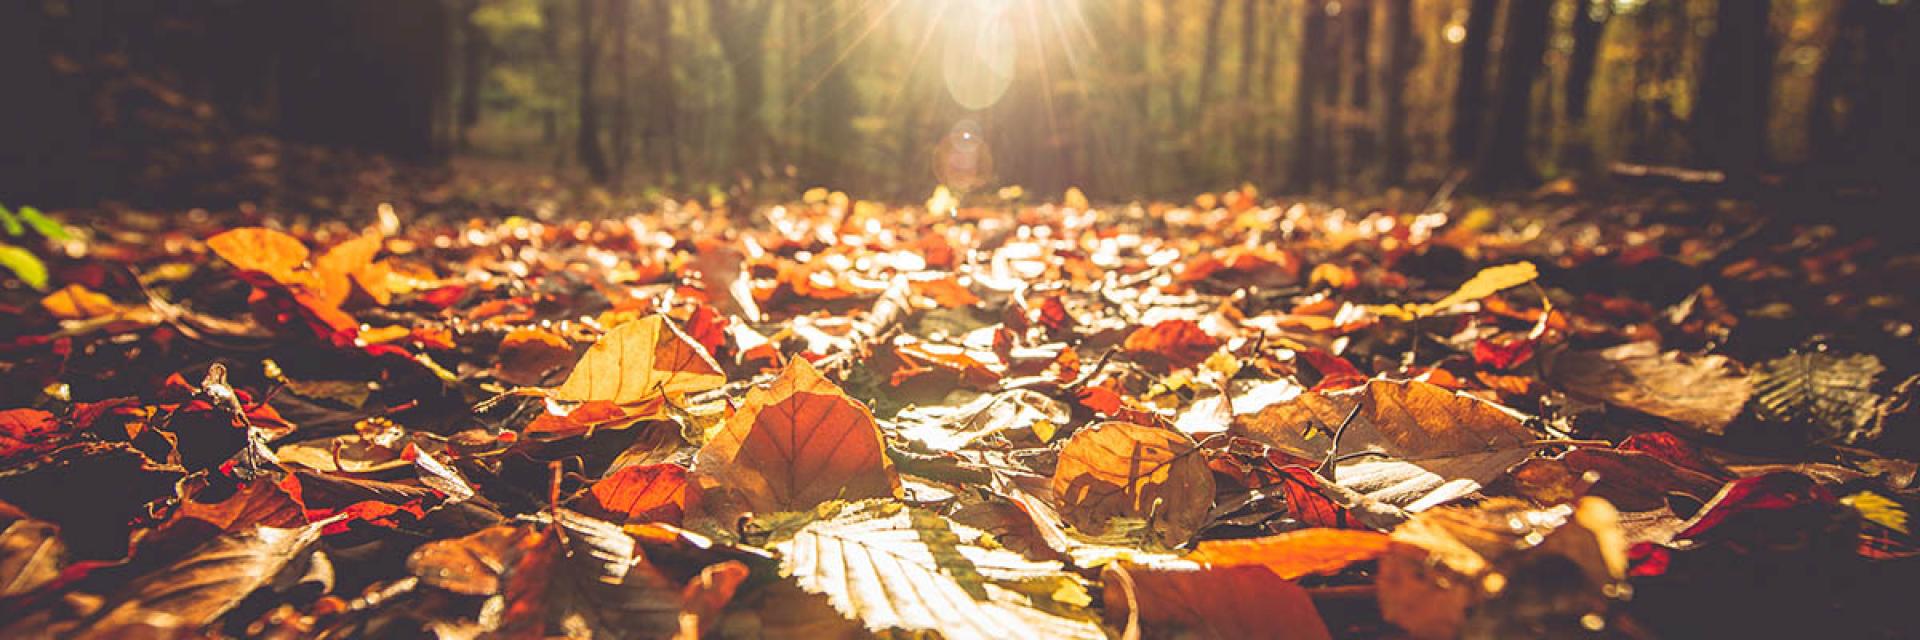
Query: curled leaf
x=796, y=443
x=639, y=360
x=1117, y=469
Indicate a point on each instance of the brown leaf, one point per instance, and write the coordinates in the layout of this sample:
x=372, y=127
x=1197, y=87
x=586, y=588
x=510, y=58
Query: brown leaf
x=198, y=589
x=1180, y=343
x=640, y=360
x=276, y=254
x=651, y=493
x=796, y=443
x=1698, y=392
x=1501, y=569
x=31, y=555
x=1117, y=469
x=584, y=420
x=1294, y=554
x=1223, y=602
x=1434, y=445
x=1631, y=480
x=527, y=356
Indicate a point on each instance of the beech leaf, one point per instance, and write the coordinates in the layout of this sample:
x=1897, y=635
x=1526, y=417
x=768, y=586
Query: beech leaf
x=641, y=360
x=796, y=443
x=1117, y=469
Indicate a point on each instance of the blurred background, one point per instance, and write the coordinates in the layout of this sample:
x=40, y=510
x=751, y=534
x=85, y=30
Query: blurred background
x=204, y=102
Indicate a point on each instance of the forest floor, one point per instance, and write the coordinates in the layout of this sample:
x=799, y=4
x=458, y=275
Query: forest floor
x=1235, y=417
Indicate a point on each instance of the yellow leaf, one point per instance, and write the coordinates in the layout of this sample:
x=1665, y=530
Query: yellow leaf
x=639, y=360
x=1075, y=199
x=256, y=249
x=1878, y=509
x=1489, y=281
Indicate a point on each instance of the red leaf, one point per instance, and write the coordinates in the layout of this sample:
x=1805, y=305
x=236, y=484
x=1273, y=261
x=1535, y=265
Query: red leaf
x=648, y=493
x=1181, y=343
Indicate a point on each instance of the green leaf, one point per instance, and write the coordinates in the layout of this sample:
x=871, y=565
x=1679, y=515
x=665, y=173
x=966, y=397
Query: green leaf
x=47, y=227
x=10, y=223
x=24, y=265
x=1832, y=392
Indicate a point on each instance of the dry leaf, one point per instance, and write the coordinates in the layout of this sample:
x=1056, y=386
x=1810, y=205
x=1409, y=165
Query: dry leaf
x=1698, y=392
x=276, y=254
x=796, y=443
x=893, y=567
x=1117, y=469
x=75, y=302
x=640, y=360
x=650, y=493
x=1180, y=343
x=31, y=555
x=1222, y=602
x=351, y=263
x=1503, y=570
x=1294, y=554
x=1433, y=445
x=528, y=355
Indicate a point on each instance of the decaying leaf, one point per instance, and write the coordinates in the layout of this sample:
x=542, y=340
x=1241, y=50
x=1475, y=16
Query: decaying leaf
x=1698, y=392
x=641, y=360
x=528, y=356
x=1412, y=445
x=1828, y=391
x=1222, y=602
x=1501, y=569
x=31, y=555
x=1178, y=343
x=796, y=443
x=894, y=567
x=1117, y=469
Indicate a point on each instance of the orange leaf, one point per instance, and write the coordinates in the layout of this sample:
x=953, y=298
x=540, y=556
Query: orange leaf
x=796, y=443
x=583, y=420
x=641, y=360
x=646, y=493
x=256, y=249
x=76, y=302
x=1182, y=343
x=350, y=263
x=1295, y=553
x=947, y=292
x=1232, y=602
x=1116, y=469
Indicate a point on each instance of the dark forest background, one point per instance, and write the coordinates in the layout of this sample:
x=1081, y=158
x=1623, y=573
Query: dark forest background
x=148, y=100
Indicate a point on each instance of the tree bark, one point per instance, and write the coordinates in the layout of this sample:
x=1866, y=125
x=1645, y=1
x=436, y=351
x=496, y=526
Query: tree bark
x=663, y=111
x=1589, y=24
x=741, y=25
x=591, y=156
x=473, y=70
x=1730, y=110
x=1359, y=43
x=1503, y=160
x=618, y=21
x=1397, y=56
x=1470, y=93
x=1301, y=174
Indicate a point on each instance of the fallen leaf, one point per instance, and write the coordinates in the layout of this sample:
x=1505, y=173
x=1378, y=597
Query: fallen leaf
x=350, y=263
x=1824, y=390
x=796, y=443
x=1294, y=554
x=1117, y=469
x=75, y=302
x=276, y=254
x=894, y=567
x=1178, y=343
x=1220, y=602
x=527, y=356
x=651, y=493
x=640, y=360
x=1503, y=570
x=1697, y=392
x=31, y=555
x=1412, y=445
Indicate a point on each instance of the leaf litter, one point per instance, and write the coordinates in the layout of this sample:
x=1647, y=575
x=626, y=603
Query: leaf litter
x=839, y=418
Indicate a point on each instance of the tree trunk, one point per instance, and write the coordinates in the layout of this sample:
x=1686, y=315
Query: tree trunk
x=1730, y=110
x=1589, y=24
x=591, y=156
x=1246, y=134
x=1359, y=42
x=740, y=25
x=1397, y=58
x=1305, y=157
x=1503, y=157
x=473, y=73
x=1470, y=94
x=618, y=21
x=663, y=111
